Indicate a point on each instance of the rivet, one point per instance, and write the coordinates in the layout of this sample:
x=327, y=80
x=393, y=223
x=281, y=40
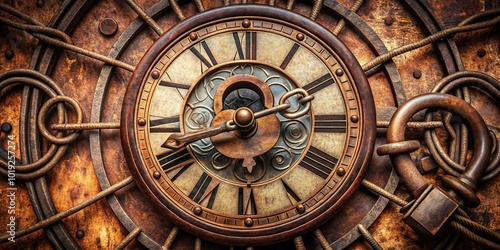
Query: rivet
x=417, y=74
x=341, y=171
x=248, y=222
x=6, y=127
x=300, y=36
x=155, y=74
x=389, y=20
x=300, y=208
x=193, y=36
x=141, y=122
x=9, y=54
x=246, y=23
x=156, y=175
x=198, y=210
x=481, y=52
x=40, y=3
x=108, y=26
x=80, y=234
x=339, y=72
x=354, y=118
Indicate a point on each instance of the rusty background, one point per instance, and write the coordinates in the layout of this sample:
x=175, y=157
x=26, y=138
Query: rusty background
x=74, y=180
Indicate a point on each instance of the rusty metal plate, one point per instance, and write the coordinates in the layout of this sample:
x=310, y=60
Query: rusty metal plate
x=69, y=186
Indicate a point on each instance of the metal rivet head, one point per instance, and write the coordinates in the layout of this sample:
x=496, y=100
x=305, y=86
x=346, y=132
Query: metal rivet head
x=246, y=23
x=80, y=234
x=417, y=74
x=141, y=121
x=40, y=3
x=339, y=72
x=6, y=127
x=108, y=26
x=9, y=54
x=300, y=208
x=198, y=211
x=248, y=222
x=341, y=171
x=300, y=37
x=156, y=175
x=389, y=20
x=354, y=118
x=481, y=52
x=155, y=74
x=193, y=36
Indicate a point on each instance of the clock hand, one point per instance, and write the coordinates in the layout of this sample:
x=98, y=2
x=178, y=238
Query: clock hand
x=243, y=121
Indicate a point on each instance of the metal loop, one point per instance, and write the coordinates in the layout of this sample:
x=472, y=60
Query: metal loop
x=55, y=152
x=405, y=167
x=304, y=99
x=43, y=112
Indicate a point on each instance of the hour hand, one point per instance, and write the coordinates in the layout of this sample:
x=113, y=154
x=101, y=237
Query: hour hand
x=177, y=141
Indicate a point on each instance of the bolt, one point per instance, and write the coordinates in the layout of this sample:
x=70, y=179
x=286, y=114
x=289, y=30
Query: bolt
x=155, y=74
x=156, y=175
x=40, y=3
x=389, y=20
x=341, y=171
x=80, y=234
x=141, y=121
x=108, y=26
x=6, y=127
x=354, y=118
x=481, y=52
x=9, y=54
x=246, y=23
x=339, y=72
x=417, y=74
x=300, y=36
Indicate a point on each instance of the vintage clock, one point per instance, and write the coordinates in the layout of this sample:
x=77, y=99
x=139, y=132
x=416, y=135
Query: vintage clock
x=274, y=172
x=235, y=124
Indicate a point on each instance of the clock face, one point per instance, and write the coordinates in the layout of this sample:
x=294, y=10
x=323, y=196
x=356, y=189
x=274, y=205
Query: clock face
x=289, y=174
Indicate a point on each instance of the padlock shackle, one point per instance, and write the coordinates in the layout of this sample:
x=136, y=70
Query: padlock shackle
x=403, y=164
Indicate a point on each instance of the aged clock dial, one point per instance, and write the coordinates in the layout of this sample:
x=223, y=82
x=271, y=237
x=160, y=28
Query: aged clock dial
x=283, y=174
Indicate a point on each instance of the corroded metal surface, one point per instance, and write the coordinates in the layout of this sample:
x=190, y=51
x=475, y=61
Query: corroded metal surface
x=117, y=29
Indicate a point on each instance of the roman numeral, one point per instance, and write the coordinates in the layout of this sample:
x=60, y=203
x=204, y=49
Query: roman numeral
x=246, y=202
x=239, y=48
x=200, y=187
x=330, y=123
x=292, y=196
x=164, y=121
x=319, y=84
x=171, y=160
x=289, y=57
x=212, y=197
x=202, y=58
x=173, y=85
x=251, y=45
x=319, y=162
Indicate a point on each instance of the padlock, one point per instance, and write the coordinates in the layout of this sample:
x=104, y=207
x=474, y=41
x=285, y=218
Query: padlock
x=433, y=206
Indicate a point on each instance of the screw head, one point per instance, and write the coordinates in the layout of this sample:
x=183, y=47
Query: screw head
x=108, y=26
x=300, y=37
x=156, y=175
x=417, y=74
x=9, y=54
x=198, y=211
x=248, y=222
x=193, y=36
x=389, y=20
x=141, y=121
x=80, y=234
x=300, y=208
x=246, y=23
x=354, y=118
x=341, y=171
x=6, y=127
x=481, y=52
x=155, y=74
